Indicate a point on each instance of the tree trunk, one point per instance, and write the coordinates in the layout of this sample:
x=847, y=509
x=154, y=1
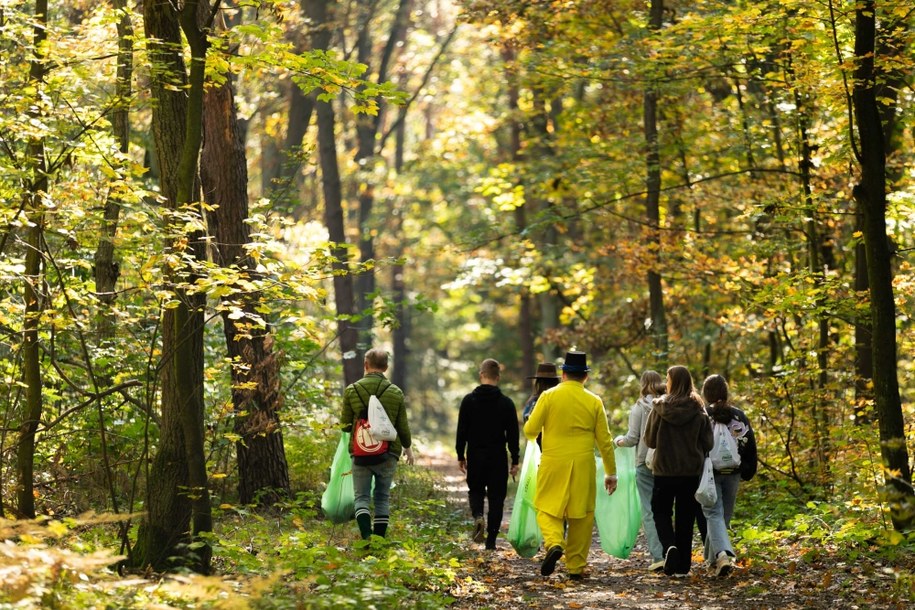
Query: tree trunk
x=263, y=475
x=33, y=281
x=657, y=313
x=178, y=502
x=870, y=195
x=107, y=269
x=320, y=13
x=366, y=137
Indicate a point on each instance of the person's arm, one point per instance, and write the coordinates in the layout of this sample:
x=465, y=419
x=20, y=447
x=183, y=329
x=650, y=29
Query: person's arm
x=534, y=423
x=402, y=425
x=651, y=430
x=706, y=436
x=631, y=438
x=346, y=414
x=511, y=435
x=605, y=446
x=748, y=456
x=460, y=444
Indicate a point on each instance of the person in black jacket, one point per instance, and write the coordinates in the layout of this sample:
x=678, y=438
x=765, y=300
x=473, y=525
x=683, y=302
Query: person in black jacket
x=715, y=521
x=487, y=422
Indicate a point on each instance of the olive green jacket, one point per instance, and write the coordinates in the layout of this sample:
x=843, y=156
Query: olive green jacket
x=355, y=406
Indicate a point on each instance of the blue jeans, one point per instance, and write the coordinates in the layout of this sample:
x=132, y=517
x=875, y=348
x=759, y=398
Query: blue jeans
x=383, y=475
x=644, y=481
x=718, y=517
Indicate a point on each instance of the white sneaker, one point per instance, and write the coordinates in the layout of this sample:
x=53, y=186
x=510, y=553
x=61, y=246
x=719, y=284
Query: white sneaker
x=656, y=566
x=724, y=564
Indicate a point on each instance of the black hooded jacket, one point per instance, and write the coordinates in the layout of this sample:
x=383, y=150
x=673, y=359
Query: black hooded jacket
x=487, y=422
x=680, y=432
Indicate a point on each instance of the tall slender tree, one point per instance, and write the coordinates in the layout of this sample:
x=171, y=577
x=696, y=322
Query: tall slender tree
x=870, y=194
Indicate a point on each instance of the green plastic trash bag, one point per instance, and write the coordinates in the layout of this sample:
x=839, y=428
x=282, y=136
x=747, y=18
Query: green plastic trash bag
x=618, y=515
x=523, y=531
x=338, y=501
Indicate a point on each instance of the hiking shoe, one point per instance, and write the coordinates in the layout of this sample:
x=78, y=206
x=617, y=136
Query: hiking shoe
x=671, y=561
x=680, y=575
x=549, y=561
x=724, y=564
x=656, y=566
x=479, y=530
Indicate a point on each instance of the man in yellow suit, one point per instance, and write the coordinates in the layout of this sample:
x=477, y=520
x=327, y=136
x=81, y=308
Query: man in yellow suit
x=572, y=420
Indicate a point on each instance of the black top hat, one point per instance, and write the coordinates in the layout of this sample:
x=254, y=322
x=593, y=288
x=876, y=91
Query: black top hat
x=545, y=370
x=576, y=362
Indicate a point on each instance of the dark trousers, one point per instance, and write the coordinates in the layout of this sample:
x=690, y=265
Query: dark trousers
x=676, y=528
x=487, y=477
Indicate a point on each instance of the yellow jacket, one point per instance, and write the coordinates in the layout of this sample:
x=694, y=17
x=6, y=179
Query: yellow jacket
x=572, y=420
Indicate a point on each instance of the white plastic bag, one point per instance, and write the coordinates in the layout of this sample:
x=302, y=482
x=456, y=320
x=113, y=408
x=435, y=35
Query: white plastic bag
x=707, y=494
x=724, y=452
x=379, y=422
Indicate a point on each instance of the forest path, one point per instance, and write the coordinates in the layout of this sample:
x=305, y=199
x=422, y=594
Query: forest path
x=503, y=580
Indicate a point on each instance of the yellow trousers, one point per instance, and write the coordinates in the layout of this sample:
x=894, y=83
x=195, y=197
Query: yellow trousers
x=575, y=542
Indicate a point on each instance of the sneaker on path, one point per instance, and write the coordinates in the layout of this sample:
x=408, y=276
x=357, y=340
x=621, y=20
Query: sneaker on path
x=671, y=561
x=479, y=530
x=724, y=564
x=656, y=566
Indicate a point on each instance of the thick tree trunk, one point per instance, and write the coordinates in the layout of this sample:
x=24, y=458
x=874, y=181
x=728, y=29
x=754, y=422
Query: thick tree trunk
x=657, y=313
x=263, y=474
x=178, y=502
x=870, y=194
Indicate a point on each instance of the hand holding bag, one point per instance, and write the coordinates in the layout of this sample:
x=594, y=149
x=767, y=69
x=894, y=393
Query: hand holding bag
x=707, y=494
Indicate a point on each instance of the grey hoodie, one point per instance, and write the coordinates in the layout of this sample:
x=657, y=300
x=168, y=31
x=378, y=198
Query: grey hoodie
x=680, y=432
x=638, y=419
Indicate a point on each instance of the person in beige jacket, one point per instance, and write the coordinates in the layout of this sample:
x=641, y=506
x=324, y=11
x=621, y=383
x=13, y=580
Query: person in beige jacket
x=572, y=421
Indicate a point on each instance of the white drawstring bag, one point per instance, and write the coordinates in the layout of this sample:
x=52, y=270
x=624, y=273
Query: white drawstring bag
x=379, y=422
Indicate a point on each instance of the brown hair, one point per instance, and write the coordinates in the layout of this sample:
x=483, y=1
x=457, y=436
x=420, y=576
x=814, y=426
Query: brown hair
x=490, y=369
x=680, y=383
x=376, y=359
x=715, y=389
x=652, y=384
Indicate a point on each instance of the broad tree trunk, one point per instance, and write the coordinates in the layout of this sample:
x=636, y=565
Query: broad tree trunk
x=657, y=313
x=263, y=475
x=870, y=194
x=178, y=501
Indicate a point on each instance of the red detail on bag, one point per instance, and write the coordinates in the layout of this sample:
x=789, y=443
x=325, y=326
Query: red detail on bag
x=364, y=444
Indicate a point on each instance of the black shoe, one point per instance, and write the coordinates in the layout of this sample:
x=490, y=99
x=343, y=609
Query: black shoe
x=671, y=561
x=491, y=541
x=549, y=561
x=577, y=577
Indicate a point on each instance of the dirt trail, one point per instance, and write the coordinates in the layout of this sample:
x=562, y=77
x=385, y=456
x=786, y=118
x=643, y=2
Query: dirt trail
x=503, y=580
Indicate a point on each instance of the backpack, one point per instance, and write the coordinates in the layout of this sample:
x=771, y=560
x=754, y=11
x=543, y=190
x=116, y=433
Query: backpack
x=724, y=451
x=365, y=444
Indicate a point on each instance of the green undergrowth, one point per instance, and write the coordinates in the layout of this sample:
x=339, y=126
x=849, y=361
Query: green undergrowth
x=289, y=558
x=852, y=540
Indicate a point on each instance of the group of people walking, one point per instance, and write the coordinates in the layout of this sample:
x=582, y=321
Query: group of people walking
x=673, y=427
